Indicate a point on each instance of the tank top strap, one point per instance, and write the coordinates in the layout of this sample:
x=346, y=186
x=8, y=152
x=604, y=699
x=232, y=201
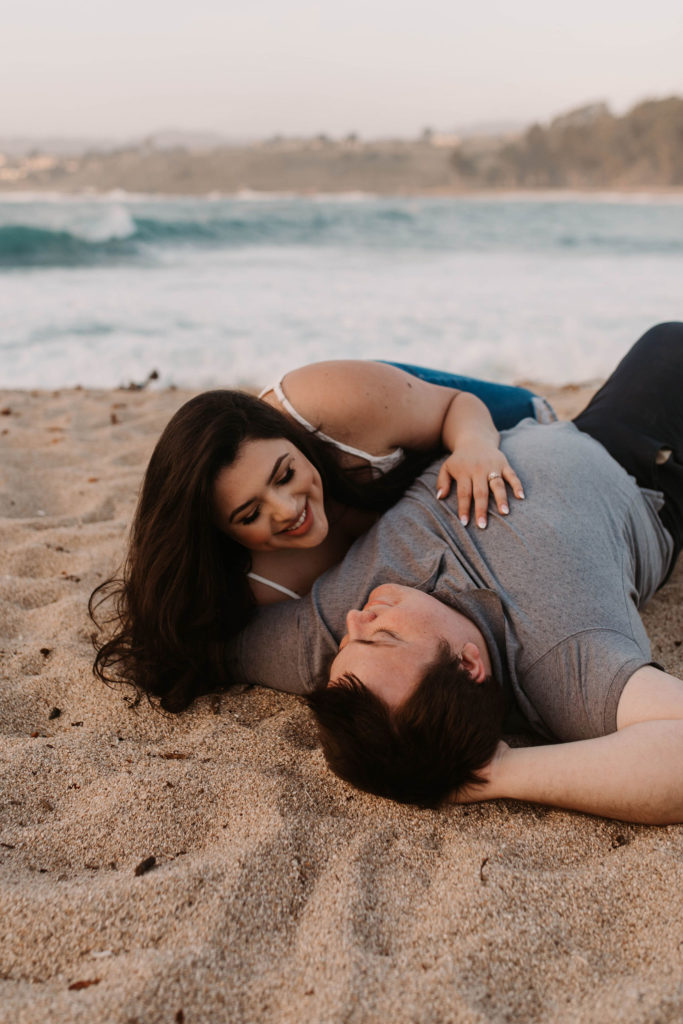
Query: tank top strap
x=274, y=586
x=286, y=404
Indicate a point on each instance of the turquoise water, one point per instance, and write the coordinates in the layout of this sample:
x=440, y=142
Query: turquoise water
x=101, y=291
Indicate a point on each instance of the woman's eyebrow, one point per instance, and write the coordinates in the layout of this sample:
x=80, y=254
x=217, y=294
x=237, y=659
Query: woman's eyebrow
x=250, y=501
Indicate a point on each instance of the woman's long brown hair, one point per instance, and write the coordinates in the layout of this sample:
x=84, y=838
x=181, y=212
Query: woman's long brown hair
x=183, y=592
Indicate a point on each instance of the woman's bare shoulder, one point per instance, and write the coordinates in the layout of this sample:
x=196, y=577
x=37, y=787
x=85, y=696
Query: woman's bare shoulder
x=348, y=399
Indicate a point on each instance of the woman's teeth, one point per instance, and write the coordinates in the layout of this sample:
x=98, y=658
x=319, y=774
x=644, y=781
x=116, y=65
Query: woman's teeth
x=298, y=523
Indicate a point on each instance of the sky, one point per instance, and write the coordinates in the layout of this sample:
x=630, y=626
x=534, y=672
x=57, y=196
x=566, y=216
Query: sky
x=254, y=68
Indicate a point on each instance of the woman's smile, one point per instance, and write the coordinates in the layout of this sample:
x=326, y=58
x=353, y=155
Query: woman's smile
x=303, y=524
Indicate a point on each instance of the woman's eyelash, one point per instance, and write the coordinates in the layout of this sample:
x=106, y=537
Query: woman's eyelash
x=252, y=517
x=286, y=476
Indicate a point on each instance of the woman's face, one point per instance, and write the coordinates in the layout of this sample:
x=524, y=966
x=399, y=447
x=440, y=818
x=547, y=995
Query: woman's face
x=271, y=498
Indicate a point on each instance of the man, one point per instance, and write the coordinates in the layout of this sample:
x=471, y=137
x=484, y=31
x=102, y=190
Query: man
x=537, y=614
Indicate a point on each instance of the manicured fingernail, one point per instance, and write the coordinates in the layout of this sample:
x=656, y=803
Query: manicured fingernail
x=504, y=509
x=481, y=523
x=439, y=494
x=521, y=494
x=464, y=520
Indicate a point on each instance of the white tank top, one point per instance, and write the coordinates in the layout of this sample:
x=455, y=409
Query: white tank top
x=379, y=463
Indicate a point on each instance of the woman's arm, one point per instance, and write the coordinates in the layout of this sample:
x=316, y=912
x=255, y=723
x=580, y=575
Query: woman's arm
x=377, y=407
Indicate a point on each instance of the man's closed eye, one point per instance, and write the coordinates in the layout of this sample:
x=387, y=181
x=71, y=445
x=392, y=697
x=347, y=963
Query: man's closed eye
x=386, y=633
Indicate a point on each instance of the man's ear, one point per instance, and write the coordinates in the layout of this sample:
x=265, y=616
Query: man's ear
x=472, y=662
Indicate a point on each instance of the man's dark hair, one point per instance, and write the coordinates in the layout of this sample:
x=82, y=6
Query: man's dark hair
x=430, y=746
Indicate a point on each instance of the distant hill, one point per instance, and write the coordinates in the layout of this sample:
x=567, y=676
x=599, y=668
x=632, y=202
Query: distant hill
x=587, y=148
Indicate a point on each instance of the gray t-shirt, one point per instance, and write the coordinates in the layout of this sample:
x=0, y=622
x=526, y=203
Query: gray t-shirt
x=555, y=586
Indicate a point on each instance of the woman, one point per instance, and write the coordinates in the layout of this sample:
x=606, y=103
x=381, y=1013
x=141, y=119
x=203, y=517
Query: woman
x=248, y=500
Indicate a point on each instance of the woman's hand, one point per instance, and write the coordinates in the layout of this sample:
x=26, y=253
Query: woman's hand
x=491, y=773
x=478, y=467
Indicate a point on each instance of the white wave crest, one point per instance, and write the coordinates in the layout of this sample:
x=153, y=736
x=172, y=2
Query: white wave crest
x=104, y=224
x=89, y=221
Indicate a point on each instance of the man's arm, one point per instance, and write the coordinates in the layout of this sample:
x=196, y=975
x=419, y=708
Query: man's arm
x=634, y=774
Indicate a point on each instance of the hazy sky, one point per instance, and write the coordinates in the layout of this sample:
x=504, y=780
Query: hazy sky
x=377, y=67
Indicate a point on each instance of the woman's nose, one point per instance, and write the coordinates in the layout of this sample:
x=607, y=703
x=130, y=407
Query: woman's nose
x=283, y=508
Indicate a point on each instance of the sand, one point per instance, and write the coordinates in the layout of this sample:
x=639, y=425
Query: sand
x=277, y=892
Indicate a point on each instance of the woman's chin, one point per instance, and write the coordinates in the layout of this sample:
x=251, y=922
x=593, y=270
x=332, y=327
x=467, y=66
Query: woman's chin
x=312, y=539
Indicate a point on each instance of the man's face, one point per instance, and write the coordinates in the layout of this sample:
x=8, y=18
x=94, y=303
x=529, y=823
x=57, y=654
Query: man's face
x=390, y=642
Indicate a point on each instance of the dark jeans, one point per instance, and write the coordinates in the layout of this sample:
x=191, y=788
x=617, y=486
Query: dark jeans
x=638, y=413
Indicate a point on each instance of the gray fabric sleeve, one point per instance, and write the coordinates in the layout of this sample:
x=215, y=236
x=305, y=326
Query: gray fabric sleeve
x=289, y=644
x=271, y=650
x=574, y=690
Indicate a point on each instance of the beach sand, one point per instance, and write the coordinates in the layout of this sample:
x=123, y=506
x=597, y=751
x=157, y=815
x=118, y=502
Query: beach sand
x=277, y=892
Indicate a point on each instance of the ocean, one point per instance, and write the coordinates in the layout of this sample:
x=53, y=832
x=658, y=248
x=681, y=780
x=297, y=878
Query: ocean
x=100, y=291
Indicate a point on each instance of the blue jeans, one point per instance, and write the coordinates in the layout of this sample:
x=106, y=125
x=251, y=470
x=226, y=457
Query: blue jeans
x=507, y=405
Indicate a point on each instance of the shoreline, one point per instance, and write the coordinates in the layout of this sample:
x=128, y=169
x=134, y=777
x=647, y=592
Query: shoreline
x=634, y=193
x=566, y=399
x=277, y=893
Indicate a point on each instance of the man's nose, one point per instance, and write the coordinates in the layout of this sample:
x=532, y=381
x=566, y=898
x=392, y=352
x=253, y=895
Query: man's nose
x=357, y=621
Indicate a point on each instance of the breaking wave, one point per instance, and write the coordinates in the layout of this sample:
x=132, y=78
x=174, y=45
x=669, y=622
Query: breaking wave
x=115, y=231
